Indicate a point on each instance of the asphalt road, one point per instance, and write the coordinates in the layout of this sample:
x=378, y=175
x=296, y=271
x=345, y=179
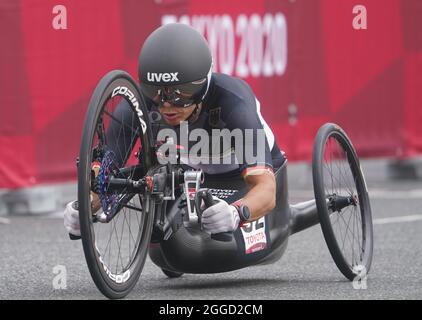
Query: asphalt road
x=31, y=248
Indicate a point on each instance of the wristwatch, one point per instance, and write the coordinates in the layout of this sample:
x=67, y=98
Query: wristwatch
x=243, y=210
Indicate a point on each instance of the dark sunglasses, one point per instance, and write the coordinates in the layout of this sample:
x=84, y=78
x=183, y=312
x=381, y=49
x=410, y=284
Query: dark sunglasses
x=181, y=95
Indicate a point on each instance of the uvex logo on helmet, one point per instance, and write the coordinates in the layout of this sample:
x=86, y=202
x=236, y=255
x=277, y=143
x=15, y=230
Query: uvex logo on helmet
x=165, y=77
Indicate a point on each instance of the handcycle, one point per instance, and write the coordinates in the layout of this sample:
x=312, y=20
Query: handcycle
x=146, y=207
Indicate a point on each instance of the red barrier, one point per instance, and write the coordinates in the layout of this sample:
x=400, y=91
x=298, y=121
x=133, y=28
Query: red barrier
x=305, y=61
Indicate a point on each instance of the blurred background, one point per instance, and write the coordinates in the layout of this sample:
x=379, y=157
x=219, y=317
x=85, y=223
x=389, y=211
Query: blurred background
x=358, y=64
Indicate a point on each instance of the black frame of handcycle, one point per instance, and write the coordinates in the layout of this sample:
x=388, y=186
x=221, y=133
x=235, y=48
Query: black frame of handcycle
x=171, y=231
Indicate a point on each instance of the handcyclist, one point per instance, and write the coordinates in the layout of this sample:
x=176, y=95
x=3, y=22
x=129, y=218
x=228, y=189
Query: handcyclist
x=176, y=78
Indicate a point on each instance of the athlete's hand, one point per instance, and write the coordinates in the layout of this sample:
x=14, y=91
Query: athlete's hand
x=71, y=220
x=220, y=217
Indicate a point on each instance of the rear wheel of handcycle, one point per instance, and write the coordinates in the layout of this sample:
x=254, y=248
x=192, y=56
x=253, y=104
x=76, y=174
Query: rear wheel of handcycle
x=116, y=224
x=342, y=200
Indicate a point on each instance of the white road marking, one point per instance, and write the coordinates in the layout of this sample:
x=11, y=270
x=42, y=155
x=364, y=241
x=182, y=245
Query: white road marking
x=391, y=194
x=373, y=194
x=415, y=217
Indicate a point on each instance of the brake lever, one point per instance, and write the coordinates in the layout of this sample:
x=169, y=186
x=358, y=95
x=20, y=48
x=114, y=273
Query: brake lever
x=206, y=196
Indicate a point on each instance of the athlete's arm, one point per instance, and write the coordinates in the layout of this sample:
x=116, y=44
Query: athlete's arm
x=261, y=196
x=243, y=113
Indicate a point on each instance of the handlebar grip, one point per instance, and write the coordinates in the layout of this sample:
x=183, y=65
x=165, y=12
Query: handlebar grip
x=206, y=196
x=202, y=195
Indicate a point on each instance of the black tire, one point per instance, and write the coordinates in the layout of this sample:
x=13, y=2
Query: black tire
x=338, y=176
x=115, y=281
x=172, y=274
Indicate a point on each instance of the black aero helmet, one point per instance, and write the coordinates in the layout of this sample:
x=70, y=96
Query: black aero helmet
x=175, y=65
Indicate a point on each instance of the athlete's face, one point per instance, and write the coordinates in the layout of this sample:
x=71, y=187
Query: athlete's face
x=173, y=115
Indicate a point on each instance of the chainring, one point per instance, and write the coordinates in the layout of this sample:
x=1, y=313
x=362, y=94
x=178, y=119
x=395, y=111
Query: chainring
x=109, y=200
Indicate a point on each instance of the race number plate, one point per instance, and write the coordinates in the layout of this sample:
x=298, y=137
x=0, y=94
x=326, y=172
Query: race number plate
x=254, y=236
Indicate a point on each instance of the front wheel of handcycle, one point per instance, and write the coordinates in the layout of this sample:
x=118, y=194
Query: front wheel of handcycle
x=342, y=200
x=115, y=223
